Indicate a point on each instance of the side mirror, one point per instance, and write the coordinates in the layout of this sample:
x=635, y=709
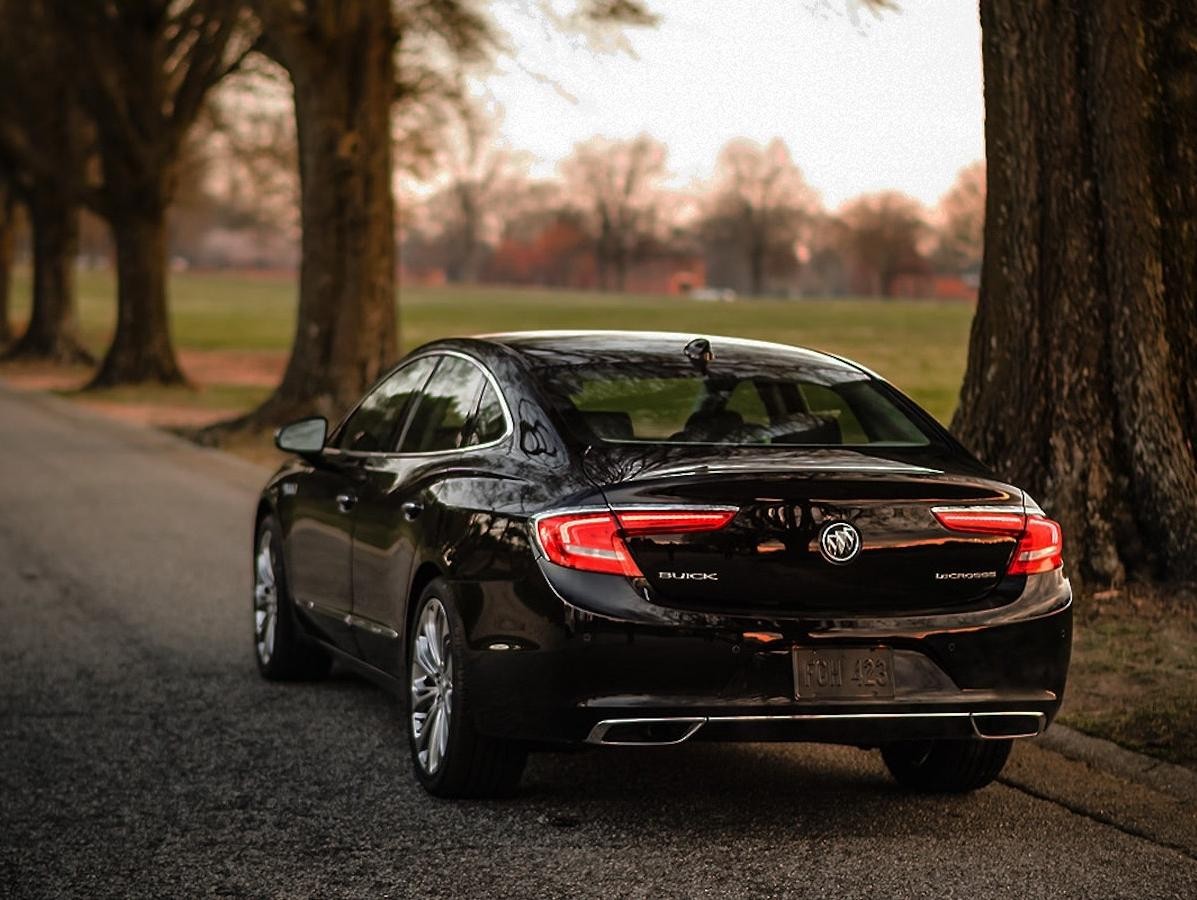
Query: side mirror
x=304, y=437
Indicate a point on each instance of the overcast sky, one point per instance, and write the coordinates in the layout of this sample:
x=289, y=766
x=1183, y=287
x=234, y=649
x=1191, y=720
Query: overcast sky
x=888, y=103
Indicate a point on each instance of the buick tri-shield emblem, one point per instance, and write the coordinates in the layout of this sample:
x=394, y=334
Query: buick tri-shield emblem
x=839, y=542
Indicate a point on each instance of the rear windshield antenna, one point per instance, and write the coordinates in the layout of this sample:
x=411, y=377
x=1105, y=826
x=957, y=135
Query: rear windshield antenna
x=699, y=352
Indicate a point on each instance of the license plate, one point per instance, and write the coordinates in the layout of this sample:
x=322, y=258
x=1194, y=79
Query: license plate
x=848, y=672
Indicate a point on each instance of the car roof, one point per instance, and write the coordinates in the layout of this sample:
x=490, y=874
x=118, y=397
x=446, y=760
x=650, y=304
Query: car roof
x=539, y=344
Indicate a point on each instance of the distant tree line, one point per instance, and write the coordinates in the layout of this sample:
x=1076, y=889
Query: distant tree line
x=757, y=227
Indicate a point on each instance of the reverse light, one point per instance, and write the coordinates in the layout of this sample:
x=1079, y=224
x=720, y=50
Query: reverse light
x=593, y=541
x=1040, y=540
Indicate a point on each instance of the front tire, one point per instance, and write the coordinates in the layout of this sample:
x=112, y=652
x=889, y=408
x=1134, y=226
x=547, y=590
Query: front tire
x=946, y=767
x=281, y=649
x=450, y=757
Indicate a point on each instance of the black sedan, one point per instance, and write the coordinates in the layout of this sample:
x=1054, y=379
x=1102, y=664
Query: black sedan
x=548, y=539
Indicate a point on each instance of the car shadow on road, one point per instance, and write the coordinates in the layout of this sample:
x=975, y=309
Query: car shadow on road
x=710, y=788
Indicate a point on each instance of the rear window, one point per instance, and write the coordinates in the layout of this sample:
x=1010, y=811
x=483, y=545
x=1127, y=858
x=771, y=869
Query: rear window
x=748, y=403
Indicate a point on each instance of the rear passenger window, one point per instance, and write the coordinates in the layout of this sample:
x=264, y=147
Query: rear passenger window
x=444, y=407
x=489, y=424
x=371, y=428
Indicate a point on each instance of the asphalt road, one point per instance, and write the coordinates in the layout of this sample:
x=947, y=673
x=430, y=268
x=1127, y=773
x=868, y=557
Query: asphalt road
x=141, y=755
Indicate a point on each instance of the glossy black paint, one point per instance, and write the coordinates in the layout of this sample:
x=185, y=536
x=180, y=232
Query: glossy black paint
x=555, y=650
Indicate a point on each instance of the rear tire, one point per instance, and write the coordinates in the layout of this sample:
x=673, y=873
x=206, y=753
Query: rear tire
x=450, y=757
x=282, y=650
x=946, y=767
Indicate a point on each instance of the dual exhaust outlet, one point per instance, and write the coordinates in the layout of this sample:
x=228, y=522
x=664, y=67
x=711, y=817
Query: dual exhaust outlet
x=668, y=731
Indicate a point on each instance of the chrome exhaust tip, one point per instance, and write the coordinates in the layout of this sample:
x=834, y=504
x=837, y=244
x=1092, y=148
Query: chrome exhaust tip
x=997, y=726
x=644, y=732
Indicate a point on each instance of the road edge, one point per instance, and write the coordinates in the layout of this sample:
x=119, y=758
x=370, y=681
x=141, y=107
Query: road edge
x=1165, y=777
x=222, y=464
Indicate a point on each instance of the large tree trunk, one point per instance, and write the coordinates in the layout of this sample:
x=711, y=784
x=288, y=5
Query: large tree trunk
x=1082, y=373
x=347, y=332
x=7, y=228
x=141, y=350
x=52, y=332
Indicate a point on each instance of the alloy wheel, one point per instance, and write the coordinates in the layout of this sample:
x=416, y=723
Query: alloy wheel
x=431, y=686
x=265, y=599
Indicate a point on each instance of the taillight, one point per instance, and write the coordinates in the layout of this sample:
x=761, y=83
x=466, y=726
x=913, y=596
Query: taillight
x=1041, y=548
x=593, y=541
x=1040, y=540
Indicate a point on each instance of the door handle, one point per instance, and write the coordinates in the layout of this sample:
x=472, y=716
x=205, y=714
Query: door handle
x=346, y=502
x=411, y=510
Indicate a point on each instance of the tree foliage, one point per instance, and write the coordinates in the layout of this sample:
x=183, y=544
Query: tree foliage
x=882, y=233
x=960, y=237
x=761, y=205
x=616, y=184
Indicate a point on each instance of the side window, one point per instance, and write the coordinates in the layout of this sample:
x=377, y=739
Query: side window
x=489, y=424
x=444, y=407
x=371, y=428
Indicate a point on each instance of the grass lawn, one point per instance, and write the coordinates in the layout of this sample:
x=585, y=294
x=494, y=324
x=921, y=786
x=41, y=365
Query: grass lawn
x=919, y=345
x=1134, y=663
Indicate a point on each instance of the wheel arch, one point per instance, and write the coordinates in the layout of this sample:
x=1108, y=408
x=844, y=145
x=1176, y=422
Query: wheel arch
x=265, y=509
x=425, y=574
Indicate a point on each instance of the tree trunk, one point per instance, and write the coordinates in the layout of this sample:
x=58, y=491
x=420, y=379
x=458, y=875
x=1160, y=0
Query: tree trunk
x=52, y=332
x=7, y=227
x=142, y=350
x=1082, y=375
x=347, y=331
x=756, y=267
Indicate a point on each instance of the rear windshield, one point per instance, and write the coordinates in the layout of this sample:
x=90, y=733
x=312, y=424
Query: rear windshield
x=655, y=401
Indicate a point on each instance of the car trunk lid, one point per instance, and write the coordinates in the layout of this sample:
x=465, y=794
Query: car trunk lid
x=816, y=531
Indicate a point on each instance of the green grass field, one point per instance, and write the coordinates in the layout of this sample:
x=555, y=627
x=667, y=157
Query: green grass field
x=919, y=345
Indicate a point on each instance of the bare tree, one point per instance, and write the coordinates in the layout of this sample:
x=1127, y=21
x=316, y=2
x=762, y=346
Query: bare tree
x=760, y=204
x=881, y=235
x=146, y=67
x=484, y=180
x=617, y=184
x=44, y=148
x=1082, y=372
x=960, y=231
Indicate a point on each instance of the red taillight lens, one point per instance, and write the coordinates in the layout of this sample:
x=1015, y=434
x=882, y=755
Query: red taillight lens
x=1041, y=548
x=653, y=521
x=586, y=541
x=593, y=541
x=1040, y=540
x=982, y=521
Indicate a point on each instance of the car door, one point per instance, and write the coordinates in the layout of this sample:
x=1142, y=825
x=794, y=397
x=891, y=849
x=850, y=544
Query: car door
x=396, y=513
x=320, y=543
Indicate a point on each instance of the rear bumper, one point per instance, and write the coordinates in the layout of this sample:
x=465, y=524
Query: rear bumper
x=837, y=727
x=550, y=671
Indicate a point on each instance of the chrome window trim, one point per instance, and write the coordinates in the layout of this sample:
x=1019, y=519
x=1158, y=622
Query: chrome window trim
x=508, y=420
